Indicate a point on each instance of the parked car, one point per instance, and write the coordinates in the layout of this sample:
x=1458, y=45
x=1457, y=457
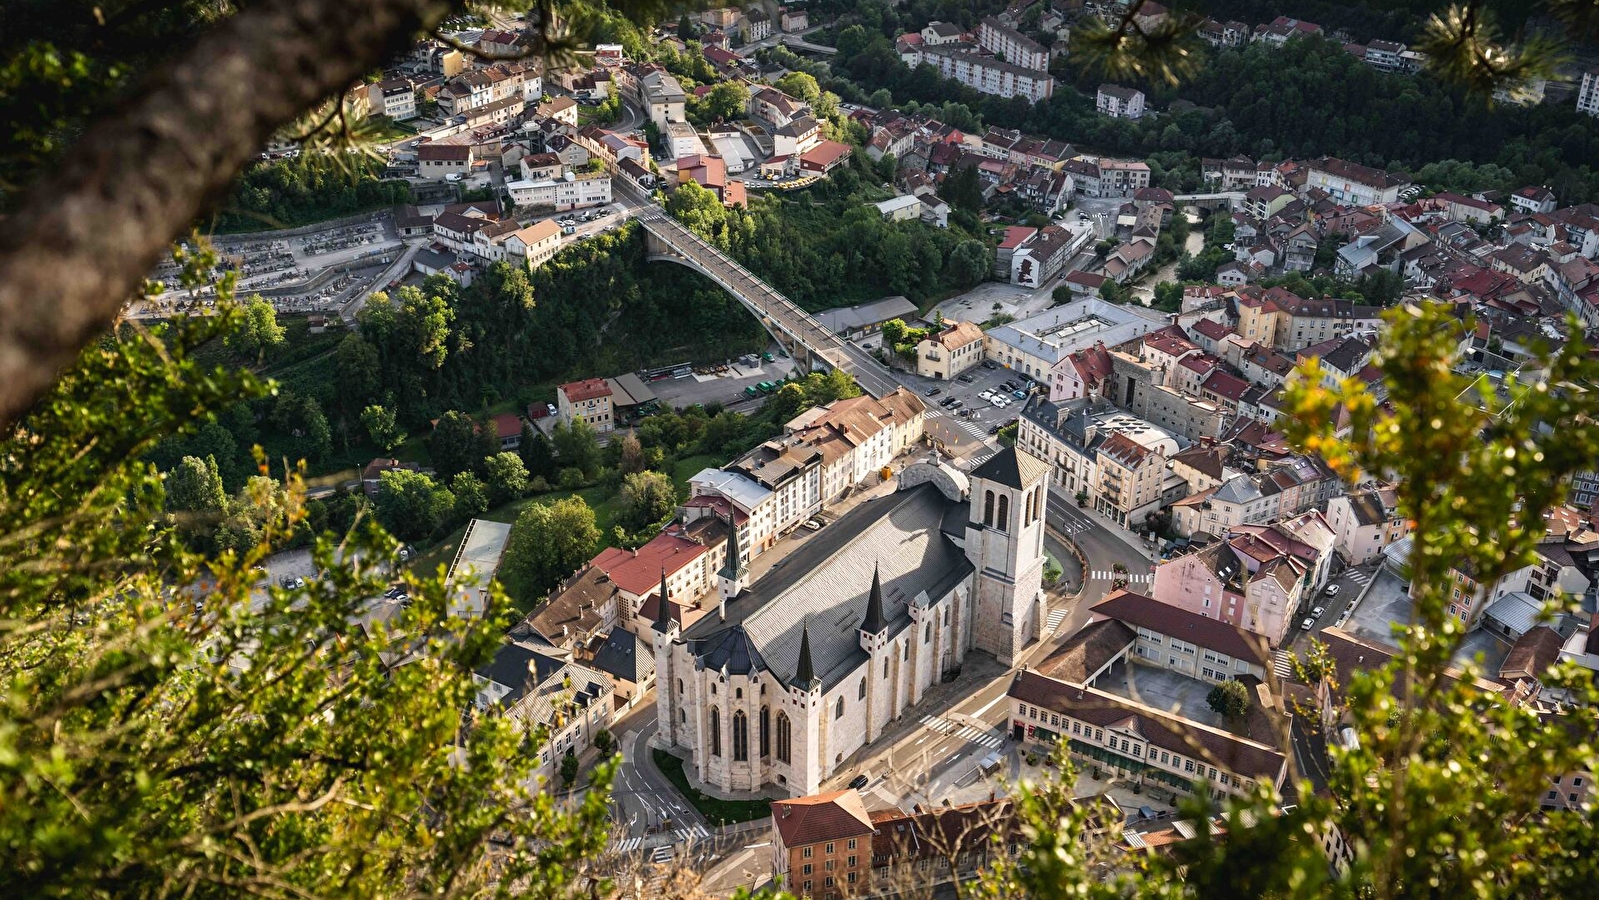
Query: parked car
x=859, y=781
x=947, y=402
x=993, y=429
x=957, y=404
x=1332, y=590
x=965, y=379
x=1307, y=624
x=986, y=395
x=999, y=402
x=989, y=364
x=1316, y=613
x=934, y=392
x=811, y=525
x=1019, y=395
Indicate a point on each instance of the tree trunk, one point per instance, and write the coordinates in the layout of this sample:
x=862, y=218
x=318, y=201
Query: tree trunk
x=86, y=233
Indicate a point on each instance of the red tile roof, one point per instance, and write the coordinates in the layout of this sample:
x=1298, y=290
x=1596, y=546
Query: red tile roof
x=639, y=571
x=507, y=425
x=833, y=816
x=588, y=389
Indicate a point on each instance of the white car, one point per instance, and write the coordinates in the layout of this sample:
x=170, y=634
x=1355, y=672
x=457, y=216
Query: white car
x=999, y=402
x=986, y=395
x=1332, y=590
x=1316, y=613
x=1307, y=624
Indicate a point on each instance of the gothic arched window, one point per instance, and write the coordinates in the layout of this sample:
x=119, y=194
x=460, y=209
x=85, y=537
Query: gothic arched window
x=988, y=507
x=783, y=737
x=1002, y=521
x=716, y=732
x=766, y=732
x=741, y=737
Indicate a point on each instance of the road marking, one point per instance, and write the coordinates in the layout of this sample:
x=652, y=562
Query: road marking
x=965, y=732
x=1282, y=664
x=991, y=704
x=1113, y=575
x=1055, y=618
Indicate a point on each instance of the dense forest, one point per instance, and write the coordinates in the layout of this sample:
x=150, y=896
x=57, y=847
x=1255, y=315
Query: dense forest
x=1308, y=99
x=825, y=247
x=310, y=188
x=595, y=309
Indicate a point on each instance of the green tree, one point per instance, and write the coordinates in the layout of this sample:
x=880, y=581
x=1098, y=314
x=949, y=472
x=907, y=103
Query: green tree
x=458, y=444
x=258, y=331
x=685, y=29
x=1229, y=699
x=1169, y=296
x=380, y=426
x=630, y=455
x=301, y=418
x=568, y=768
x=894, y=331
x=471, y=496
x=548, y=542
x=577, y=446
x=800, y=86
x=647, y=498
x=507, y=476
x=724, y=102
x=604, y=742
x=537, y=454
x=411, y=505
x=969, y=263
x=963, y=190
x=196, y=487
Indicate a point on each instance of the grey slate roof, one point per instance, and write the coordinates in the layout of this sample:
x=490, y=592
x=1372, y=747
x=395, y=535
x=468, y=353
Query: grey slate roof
x=625, y=656
x=825, y=583
x=1012, y=468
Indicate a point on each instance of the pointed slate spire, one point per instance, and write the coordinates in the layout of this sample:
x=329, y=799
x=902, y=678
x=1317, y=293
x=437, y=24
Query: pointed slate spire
x=805, y=672
x=875, y=620
x=663, y=612
x=733, y=567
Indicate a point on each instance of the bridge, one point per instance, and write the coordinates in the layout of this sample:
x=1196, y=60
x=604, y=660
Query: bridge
x=811, y=346
x=1231, y=199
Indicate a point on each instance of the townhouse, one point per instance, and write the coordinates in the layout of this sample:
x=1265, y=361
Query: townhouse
x=536, y=690
x=1136, y=740
x=589, y=401
x=948, y=353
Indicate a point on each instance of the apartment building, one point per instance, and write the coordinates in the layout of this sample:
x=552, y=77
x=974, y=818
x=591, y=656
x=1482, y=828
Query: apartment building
x=950, y=352
x=1352, y=183
x=393, y=98
x=1129, y=737
x=1588, y=92
x=1120, y=102
x=538, y=690
x=588, y=400
x=986, y=74
x=571, y=190
x=443, y=160
x=822, y=844
x=1012, y=46
x=1365, y=523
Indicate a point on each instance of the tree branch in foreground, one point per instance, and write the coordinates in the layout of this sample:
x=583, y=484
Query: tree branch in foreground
x=86, y=234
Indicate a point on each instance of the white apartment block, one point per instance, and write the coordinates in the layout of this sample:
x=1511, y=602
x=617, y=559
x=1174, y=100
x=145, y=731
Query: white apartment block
x=1011, y=45
x=1588, y=93
x=988, y=75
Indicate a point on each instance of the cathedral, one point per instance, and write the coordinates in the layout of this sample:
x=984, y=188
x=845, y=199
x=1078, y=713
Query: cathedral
x=793, y=673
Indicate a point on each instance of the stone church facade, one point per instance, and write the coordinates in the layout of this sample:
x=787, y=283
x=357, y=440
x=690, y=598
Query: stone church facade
x=796, y=672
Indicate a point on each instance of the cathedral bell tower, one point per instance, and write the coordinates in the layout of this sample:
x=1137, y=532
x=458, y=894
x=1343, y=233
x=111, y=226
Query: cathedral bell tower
x=1005, y=543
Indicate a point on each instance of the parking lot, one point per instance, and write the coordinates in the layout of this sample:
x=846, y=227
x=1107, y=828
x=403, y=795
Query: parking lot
x=963, y=428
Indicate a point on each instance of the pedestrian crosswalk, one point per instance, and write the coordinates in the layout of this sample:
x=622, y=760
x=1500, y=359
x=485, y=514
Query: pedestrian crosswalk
x=981, y=458
x=975, y=429
x=964, y=732
x=1056, y=616
x=689, y=835
x=1282, y=663
x=1130, y=577
x=1357, y=576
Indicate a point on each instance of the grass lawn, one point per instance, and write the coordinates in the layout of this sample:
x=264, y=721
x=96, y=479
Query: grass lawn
x=717, y=812
x=689, y=466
